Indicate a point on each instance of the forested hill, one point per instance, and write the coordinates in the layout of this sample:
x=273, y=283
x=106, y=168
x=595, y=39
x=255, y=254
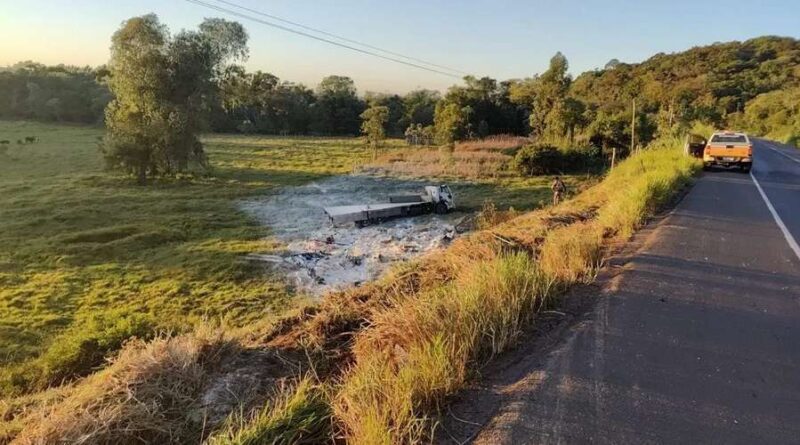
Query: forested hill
x=719, y=84
x=752, y=85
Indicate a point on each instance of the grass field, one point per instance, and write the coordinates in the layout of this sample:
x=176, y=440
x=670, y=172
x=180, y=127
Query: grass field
x=88, y=258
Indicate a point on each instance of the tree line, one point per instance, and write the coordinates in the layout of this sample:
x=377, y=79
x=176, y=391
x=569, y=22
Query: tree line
x=160, y=90
x=61, y=93
x=244, y=102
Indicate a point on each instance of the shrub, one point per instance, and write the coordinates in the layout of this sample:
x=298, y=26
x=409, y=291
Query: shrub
x=544, y=159
x=582, y=159
x=538, y=159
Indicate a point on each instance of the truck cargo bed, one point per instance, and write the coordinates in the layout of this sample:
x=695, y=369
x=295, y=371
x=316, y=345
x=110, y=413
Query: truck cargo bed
x=375, y=212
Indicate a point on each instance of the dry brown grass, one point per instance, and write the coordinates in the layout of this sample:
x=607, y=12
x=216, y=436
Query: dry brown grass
x=149, y=394
x=486, y=158
x=500, y=142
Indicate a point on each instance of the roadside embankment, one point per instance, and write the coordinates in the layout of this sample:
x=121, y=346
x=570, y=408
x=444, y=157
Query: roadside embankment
x=381, y=359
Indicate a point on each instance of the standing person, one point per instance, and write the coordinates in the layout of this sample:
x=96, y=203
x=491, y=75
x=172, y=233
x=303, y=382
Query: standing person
x=559, y=188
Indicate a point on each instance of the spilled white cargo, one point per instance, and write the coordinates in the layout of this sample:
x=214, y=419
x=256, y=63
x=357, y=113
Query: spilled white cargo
x=320, y=256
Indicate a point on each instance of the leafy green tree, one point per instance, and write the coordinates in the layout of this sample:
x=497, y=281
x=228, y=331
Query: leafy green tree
x=419, y=107
x=374, y=119
x=451, y=122
x=568, y=115
x=545, y=95
x=162, y=85
x=337, y=108
x=137, y=119
x=394, y=103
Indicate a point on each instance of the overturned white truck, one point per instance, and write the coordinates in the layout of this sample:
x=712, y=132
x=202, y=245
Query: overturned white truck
x=436, y=199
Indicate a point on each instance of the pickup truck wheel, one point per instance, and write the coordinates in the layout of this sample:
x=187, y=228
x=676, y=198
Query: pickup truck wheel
x=440, y=208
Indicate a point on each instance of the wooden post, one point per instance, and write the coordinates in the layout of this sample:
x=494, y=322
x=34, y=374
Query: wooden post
x=633, y=127
x=613, y=156
x=671, y=112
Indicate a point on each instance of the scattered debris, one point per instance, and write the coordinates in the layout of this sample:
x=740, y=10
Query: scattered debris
x=320, y=257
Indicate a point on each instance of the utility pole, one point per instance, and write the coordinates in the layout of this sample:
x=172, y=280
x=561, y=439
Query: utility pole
x=633, y=127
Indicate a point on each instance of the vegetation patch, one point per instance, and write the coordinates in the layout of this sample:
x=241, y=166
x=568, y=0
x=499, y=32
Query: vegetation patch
x=150, y=393
x=420, y=349
x=88, y=259
x=390, y=352
x=298, y=415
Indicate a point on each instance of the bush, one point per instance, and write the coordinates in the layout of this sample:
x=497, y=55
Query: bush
x=544, y=159
x=538, y=159
x=582, y=159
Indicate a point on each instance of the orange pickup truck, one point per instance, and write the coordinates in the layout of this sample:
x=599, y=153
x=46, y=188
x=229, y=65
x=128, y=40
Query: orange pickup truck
x=728, y=149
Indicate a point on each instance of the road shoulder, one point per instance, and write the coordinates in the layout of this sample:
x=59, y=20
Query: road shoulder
x=520, y=370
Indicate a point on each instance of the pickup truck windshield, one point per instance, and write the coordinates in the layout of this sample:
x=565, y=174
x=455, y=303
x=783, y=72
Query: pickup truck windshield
x=729, y=139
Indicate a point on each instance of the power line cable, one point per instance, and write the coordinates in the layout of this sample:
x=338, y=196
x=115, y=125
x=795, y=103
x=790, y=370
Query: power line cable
x=321, y=39
x=336, y=36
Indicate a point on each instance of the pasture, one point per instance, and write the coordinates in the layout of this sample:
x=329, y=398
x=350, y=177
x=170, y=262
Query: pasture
x=88, y=258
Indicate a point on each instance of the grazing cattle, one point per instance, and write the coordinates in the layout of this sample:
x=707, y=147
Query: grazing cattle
x=5, y=142
x=20, y=142
x=31, y=139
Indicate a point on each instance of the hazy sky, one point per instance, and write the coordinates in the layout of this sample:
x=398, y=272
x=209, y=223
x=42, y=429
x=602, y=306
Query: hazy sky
x=502, y=39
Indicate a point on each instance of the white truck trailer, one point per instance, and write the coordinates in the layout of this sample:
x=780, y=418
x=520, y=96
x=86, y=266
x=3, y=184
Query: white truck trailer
x=436, y=199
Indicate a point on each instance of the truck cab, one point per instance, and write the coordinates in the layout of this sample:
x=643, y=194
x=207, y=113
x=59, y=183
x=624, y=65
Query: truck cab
x=728, y=149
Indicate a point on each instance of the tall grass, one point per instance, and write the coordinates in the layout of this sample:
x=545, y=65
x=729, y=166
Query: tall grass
x=300, y=416
x=434, y=338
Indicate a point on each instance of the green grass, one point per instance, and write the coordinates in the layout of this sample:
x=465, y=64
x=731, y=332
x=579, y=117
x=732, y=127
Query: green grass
x=81, y=248
x=298, y=416
x=88, y=258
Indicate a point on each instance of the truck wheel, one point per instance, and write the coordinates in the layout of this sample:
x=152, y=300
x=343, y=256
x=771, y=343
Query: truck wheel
x=440, y=208
x=746, y=168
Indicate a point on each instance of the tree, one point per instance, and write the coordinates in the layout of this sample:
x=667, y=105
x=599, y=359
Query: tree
x=162, y=87
x=550, y=90
x=337, y=108
x=568, y=115
x=419, y=108
x=395, y=105
x=374, y=118
x=611, y=64
x=136, y=119
x=451, y=122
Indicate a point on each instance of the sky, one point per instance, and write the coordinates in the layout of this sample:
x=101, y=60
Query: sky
x=500, y=39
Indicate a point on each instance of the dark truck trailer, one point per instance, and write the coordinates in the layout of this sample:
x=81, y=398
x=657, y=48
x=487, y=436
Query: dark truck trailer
x=436, y=199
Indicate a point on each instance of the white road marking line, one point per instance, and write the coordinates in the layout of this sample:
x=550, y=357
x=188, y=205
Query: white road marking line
x=769, y=145
x=789, y=238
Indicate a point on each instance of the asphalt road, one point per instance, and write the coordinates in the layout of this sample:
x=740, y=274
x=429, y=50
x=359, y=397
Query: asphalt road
x=696, y=341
